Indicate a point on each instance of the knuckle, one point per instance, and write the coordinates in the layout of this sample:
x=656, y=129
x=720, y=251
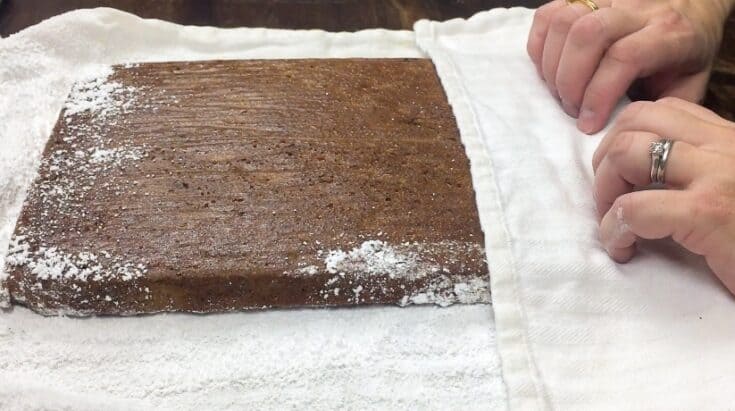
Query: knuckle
x=624, y=203
x=541, y=16
x=673, y=20
x=538, y=29
x=670, y=100
x=712, y=207
x=591, y=26
x=620, y=147
x=625, y=54
x=691, y=42
x=562, y=20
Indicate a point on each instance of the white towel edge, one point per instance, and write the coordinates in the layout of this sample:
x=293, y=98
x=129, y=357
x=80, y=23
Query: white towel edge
x=520, y=373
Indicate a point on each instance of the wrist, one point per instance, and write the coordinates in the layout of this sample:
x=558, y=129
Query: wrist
x=724, y=7
x=712, y=15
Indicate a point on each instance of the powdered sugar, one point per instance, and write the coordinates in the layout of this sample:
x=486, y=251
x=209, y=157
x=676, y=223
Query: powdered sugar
x=115, y=156
x=309, y=270
x=622, y=229
x=94, y=94
x=70, y=173
x=50, y=263
x=375, y=257
x=415, y=272
x=446, y=293
x=378, y=260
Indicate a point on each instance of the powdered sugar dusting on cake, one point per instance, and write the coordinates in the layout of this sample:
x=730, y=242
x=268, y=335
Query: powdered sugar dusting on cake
x=51, y=263
x=376, y=257
x=378, y=264
x=84, y=154
x=472, y=291
x=84, y=158
x=95, y=94
x=115, y=155
x=309, y=270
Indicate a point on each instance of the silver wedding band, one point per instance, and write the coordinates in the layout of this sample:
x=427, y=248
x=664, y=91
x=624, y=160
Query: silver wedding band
x=659, y=157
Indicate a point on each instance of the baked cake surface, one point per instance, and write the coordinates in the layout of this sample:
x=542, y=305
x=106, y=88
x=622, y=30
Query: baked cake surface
x=227, y=185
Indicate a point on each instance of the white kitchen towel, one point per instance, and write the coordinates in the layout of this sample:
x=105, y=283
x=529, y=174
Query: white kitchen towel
x=575, y=330
x=372, y=358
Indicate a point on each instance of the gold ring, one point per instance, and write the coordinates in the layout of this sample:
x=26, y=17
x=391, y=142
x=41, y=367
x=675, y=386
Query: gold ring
x=589, y=3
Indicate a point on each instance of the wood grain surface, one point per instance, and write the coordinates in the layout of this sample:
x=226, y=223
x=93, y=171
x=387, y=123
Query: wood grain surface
x=214, y=186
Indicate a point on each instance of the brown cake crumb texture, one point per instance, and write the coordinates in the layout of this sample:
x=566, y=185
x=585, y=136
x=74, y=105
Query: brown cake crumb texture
x=229, y=185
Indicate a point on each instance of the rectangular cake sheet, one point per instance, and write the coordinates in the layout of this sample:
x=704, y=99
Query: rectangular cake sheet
x=209, y=186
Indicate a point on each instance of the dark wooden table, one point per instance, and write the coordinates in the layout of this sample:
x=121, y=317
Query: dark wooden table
x=332, y=15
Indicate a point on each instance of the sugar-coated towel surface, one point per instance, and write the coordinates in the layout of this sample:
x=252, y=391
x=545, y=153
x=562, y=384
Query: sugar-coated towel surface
x=575, y=330
x=375, y=358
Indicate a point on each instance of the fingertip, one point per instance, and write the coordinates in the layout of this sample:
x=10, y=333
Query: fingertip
x=612, y=231
x=589, y=122
x=622, y=255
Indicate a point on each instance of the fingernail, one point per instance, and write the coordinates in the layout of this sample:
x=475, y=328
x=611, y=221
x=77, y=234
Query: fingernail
x=570, y=109
x=586, y=121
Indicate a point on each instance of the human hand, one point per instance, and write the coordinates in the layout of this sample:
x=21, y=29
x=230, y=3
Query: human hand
x=698, y=207
x=590, y=59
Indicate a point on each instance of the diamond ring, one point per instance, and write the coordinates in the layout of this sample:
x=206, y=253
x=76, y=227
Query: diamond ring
x=659, y=156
